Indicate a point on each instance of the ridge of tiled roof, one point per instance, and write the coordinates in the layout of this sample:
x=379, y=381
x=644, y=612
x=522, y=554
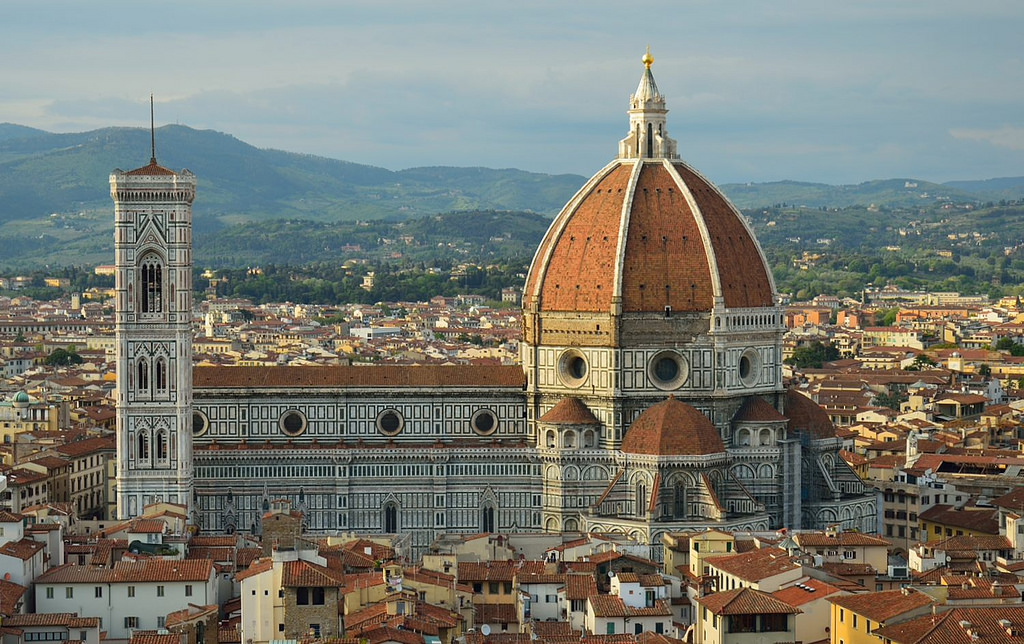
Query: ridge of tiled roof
x=746, y=601
x=475, y=376
x=884, y=605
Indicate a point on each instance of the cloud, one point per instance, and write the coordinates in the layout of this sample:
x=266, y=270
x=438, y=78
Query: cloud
x=1004, y=137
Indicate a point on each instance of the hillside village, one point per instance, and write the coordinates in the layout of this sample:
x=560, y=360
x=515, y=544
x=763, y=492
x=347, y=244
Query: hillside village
x=928, y=409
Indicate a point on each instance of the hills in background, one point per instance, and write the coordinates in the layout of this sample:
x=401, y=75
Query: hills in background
x=55, y=205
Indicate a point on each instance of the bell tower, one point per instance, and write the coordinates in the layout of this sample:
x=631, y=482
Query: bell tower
x=153, y=248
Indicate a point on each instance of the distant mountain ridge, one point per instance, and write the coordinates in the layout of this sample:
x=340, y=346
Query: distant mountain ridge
x=55, y=204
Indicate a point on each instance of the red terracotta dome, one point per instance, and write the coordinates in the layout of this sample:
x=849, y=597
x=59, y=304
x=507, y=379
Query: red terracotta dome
x=653, y=233
x=805, y=415
x=672, y=428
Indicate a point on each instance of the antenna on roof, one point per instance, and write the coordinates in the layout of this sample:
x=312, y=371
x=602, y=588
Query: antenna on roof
x=152, y=133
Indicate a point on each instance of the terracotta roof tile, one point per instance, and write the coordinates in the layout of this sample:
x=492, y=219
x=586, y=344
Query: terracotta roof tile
x=304, y=573
x=884, y=605
x=756, y=564
x=838, y=539
x=806, y=416
x=800, y=595
x=958, y=626
x=757, y=409
x=142, y=570
x=745, y=601
x=570, y=411
x=672, y=428
x=10, y=596
x=428, y=376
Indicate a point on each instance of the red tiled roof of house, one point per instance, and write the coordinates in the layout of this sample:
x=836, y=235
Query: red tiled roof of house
x=471, y=571
x=957, y=626
x=306, y=574
x=756, y=564
x=884, y=605
x=800, y=595
x=570, y=411
x=192, y=612
x=50, y=619
x=257, y=567
x=839, y=539
x=964, y=542
x=745, y=601
x=154, y=637
x=1012, y=500
x=579, y=586
x=142, y=570
x=87, y=446
x=495, y=613
x=24, y=549
x=972, y=518
x=10, y=596
x=10, y=517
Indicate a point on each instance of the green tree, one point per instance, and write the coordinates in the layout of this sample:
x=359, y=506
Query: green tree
x=63, y=357
x=813, y=355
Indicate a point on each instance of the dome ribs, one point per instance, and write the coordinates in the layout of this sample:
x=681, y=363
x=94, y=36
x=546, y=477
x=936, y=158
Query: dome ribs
x=744, y=278
x=665, y=263
x=579, y=273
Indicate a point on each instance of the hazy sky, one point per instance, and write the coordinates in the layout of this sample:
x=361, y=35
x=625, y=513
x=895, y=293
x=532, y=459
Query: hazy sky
x=814, y=90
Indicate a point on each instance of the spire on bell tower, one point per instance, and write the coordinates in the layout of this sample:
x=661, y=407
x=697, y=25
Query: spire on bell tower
x=152, y=133
x=648, y=135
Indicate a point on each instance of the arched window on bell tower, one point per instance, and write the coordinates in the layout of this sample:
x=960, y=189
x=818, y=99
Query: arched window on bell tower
x=160, y=375
x=143, y=447
x=151, y=287
x=142, y=379
x=161, y=445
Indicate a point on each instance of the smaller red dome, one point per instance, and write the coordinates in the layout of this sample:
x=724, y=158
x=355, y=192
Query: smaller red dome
x=805, y=415
x=570, y=411
x=672, y=428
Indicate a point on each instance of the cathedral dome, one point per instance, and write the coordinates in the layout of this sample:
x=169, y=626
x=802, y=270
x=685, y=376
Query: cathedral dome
x=672, y=428
x=648, y=232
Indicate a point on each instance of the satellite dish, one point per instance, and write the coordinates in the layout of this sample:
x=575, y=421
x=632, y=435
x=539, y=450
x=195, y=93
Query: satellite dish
x=485, y=630
x=611, y=574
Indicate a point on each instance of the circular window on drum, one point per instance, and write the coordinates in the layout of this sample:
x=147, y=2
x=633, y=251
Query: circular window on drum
x=200, y=423
x=292, y=422
x=572, y=368
x=390, y=422
x=484, y=422
x=668, y=370
x=749, y=367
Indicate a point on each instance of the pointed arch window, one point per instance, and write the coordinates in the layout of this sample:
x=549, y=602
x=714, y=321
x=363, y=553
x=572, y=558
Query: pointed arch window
x=160, y=375
x=143, y=445
x=679, y=511
x=161, y=445
x=151, y=293
x=650, y=141
x=390, y=518
x=487, y=519
x=142, y=369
